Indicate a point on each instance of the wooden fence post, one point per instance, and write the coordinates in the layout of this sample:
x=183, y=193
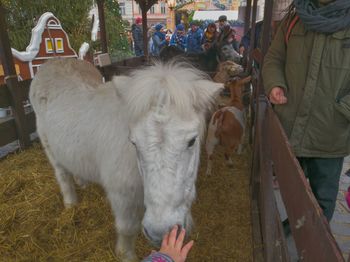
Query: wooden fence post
x=101, y=15
x=12, y=82
x=144, y=31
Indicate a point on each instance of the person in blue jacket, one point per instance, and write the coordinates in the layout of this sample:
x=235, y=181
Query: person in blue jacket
x=158, y=39
x=194, y=39
x=178, y=39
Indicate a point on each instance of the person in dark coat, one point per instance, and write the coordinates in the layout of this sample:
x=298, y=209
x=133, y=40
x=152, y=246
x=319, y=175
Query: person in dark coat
x=208, y=45
x=137, y=35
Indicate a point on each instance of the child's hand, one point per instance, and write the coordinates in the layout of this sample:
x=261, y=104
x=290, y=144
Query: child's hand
x=173, y=247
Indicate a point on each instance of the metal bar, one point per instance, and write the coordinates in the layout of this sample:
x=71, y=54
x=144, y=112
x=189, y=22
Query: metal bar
x=266, y=37
x=252, y=36
x=248, y=9
x=101, y=15
x=266, y=33
x=12, y=82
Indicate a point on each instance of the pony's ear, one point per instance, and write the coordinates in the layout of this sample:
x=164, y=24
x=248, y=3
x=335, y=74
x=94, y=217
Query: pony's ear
x=207, y=92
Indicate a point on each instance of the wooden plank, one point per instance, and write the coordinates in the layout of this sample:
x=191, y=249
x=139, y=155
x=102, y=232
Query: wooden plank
x=313, y=238
x=24, y=87
x=8, y=132
x=5, y=97
x=135, y=61
x=258, y=247
x=12, y=82
x=274, y=243
x=31, y=121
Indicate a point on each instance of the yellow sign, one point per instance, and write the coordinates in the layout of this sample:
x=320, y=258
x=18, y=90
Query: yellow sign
x=49, y=47
x=201, y=5
x=59, y=44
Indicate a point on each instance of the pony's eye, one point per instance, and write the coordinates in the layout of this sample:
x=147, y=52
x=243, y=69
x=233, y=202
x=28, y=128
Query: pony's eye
x=191, y=142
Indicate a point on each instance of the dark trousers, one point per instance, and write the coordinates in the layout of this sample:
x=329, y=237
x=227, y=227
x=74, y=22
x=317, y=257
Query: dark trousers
x=323, y=175
x=138, y=52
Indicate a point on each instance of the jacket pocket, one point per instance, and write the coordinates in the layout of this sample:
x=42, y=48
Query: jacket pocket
x=342, y=105
x=337, y=52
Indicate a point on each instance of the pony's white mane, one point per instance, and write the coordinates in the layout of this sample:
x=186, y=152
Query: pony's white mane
x=174, y=87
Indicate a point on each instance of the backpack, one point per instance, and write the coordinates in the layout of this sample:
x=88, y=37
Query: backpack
x=290, y=28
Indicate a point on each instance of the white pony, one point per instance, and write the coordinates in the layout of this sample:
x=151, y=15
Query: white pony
x=138, y=136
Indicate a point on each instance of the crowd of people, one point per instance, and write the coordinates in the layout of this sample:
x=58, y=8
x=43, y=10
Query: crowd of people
x=218, y=37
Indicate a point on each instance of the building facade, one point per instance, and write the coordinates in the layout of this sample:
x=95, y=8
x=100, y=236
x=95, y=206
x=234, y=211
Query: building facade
x=130, y=10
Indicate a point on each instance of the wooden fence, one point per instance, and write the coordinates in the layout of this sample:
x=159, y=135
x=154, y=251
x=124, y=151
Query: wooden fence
x=273, y=155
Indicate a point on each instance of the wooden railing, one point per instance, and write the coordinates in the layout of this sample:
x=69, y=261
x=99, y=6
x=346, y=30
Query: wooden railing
x=123, y=66
x=273, y=155
x=8, y=130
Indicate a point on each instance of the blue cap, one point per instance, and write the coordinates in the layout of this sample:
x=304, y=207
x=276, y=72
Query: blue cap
x=180, y=27
x=158, y=27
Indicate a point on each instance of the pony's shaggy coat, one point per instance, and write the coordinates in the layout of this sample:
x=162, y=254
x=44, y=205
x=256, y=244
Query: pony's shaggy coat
x=138, y=136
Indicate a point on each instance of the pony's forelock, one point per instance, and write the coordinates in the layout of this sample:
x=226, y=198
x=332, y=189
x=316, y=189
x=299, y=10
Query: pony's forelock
x=174, y=86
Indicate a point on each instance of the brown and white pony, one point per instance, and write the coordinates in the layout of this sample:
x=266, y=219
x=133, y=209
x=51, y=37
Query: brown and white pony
x=227, y=125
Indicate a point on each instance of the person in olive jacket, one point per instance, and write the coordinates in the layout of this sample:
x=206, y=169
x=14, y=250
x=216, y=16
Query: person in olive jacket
x=306, y=75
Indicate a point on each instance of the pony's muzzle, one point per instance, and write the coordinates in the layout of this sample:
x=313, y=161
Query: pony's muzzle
x=154, y=241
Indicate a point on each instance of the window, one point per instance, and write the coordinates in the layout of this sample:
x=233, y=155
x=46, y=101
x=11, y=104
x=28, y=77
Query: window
x=59, y=45
x=152, y=10
x=122, y=8
x=162, y=8
x=48, y=45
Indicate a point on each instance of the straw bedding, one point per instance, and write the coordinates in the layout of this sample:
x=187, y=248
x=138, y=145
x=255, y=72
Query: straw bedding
x=34, y=226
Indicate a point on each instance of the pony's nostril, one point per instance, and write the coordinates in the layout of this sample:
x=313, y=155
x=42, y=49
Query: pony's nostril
x=179, y=228
x=146, y=233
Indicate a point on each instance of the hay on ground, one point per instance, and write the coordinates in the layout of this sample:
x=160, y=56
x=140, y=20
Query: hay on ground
x=34, y=226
